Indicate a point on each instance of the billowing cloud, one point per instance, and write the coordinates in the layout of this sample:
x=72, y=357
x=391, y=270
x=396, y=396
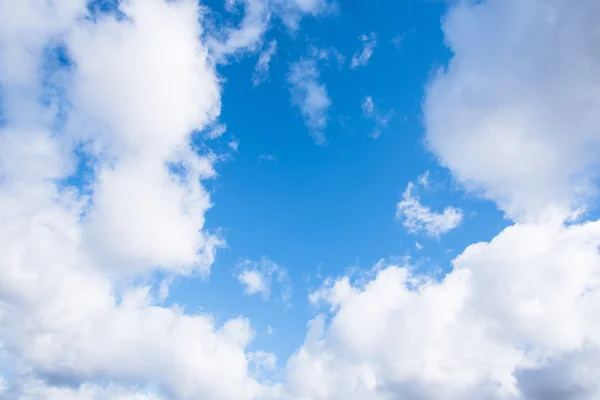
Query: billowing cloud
x=367, y=106
x=514, y=114
x=310, y=96
x=139, y=90
x=71, y=323
x=510, y=313
x=36, y=389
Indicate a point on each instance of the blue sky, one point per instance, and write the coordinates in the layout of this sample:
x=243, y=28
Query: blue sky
x=299, y=199
x=321, y=209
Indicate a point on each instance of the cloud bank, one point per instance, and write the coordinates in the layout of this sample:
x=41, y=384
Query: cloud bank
x=126, y=101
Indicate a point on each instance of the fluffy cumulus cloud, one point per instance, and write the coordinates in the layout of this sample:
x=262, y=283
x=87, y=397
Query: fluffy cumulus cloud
x=513, y=314
x=514, y=115
x=362, y=57
x=126, y=102
x=514, y=119
x=309, y=94
x=258, y=277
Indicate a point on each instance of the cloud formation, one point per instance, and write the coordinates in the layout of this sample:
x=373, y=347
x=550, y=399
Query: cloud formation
x=511, y=315
x=258, y=277
x=310, y=96
x=380, y=119
x=519, y=99
x=128, y=99
x=261, y=70
x=418, y=218
x=361, y=57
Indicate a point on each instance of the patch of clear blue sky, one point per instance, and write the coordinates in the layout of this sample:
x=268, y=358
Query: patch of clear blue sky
x=322, y=209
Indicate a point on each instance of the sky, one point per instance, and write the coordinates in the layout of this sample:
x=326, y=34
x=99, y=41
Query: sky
x=299, y=199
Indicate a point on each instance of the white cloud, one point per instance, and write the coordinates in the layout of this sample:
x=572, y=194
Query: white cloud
x=398, y=40
x=234, y=145
x=418, y=218
x=216, y=132
x=511, y=321
x=261, y=70
x=367, y=106
x=258, y=277
x=138, y=89
x=522, y=76
x=3, y=386
x=423, y=180
x=310, y=95
x=373, y=113
x=254, y=282
x=291, y=11
x=362, y=57
x=36, y=389
x=262, y=364
x=258, y=15
x=248, y=36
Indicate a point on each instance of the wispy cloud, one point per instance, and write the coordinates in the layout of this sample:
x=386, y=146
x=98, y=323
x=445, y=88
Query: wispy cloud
x=367, y=106
x=234, y=145
x=423, y=179
x=310, y=96
x=261, y=70
x=248, y=35
x=381, y=119
x=258, y=277
x=267, y=157
x=418, y=218
x=362, y=57
x=215, y=132
x=327, y=54
x=143, y=84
